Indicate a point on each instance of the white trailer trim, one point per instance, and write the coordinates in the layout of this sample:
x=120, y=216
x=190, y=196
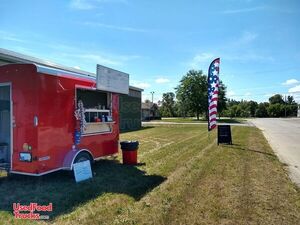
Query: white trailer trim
x=36, y=174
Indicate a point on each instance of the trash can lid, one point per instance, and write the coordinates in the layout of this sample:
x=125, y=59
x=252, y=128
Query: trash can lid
x=128, y=142
x=129, y=145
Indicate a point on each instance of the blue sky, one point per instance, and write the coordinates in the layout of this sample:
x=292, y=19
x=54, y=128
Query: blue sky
x=157, y=42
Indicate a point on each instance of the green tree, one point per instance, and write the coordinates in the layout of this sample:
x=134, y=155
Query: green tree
x=261, y=110
x=192, y=96
x=291, y=110
x=222, y=99
x=276, y=99
x=290, y=100
x=192, y=91
x=252, y=106
x=167, y=108
x=235, y=111
x=276, y=110
x=291, y=106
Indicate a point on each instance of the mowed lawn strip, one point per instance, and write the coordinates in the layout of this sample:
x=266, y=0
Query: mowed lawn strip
x=185, y=179
x=240, y=184
x=194, y=120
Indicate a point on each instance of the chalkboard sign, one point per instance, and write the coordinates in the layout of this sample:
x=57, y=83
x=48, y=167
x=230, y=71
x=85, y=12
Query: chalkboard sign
x=224, y=134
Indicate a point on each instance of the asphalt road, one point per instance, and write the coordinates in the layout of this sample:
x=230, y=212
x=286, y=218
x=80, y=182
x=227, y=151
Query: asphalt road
x=284, y=137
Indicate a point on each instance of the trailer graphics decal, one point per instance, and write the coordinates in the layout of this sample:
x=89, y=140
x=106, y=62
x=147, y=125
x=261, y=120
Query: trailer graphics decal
x=31, y=211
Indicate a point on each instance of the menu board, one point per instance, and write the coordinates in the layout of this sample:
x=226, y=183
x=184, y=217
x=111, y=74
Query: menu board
x=82, y=171
x=112, y=80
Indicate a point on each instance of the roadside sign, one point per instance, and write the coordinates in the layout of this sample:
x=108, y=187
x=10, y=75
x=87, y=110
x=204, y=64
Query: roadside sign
x=224, y=134
x=82, y=171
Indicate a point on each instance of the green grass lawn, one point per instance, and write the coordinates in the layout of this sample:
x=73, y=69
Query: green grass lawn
x=183, y=178
x=201, y=120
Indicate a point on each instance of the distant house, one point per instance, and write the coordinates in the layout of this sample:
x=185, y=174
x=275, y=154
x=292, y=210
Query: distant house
x=150, y=111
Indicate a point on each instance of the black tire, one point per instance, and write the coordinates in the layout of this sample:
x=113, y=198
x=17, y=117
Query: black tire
x=83, y=156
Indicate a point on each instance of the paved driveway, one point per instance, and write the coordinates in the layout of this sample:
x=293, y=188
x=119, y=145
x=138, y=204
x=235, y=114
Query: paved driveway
x=284, y=137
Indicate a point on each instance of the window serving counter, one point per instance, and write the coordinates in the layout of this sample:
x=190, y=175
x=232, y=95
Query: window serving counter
x=98, y=121
x=95, y=111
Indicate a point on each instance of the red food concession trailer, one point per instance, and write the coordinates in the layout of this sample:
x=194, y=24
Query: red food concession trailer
x=51, y=118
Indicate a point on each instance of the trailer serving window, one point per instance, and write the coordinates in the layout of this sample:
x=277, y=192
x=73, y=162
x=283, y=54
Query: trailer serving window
x=98, y=110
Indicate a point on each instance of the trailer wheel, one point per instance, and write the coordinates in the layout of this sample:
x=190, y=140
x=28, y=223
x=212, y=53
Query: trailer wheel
x=83, y=156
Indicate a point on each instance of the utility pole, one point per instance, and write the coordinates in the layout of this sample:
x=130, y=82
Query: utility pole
x=284, y=105
x=152, y=93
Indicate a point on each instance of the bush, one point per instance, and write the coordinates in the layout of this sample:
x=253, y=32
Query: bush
x=261, y=110
x=276, y=110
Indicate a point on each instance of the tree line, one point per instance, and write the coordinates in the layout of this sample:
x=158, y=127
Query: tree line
x=276, y=107
x=190, y=99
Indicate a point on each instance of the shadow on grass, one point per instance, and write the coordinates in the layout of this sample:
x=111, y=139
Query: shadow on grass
x=242, y=148
x=61, y=190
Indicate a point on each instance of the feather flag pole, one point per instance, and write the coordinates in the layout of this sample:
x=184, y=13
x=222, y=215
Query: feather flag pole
x=212, y=92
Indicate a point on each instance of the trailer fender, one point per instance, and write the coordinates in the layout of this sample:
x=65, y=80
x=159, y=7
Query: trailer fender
x=70, y=157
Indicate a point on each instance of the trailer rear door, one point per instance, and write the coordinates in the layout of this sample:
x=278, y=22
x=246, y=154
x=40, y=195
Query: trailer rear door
x=5, y=125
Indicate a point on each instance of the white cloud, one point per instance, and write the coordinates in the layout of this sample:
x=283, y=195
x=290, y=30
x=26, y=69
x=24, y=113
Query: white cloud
x=77, y=67
x=91, y=4
x=162, y=80
x=200, y=58
x=203, y=60
x=247, y=56
x=244, y=10
x=297, y=98
x=128, y=57
x=290, y=82
x=269, y=95
x=10, y=37
x=247, y=37
x=295, y=89
x=240, y=43
x=81, y=5
x=139, y=84
x=100, y=58
x=114, y=27
x=248, y=94
x=230, y=94
x=281, y=9
x=156, y=97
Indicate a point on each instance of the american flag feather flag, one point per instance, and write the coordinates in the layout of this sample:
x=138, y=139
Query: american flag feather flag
x=213, y=91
